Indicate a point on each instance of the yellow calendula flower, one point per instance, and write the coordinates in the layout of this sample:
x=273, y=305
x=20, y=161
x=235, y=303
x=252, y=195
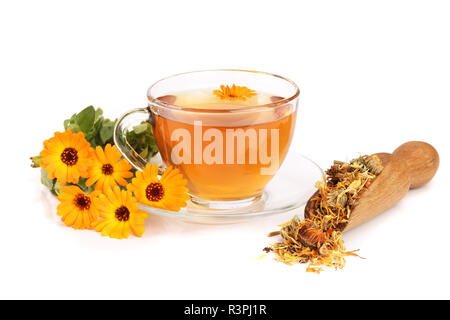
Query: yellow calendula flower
x=168, y=193
x=66, y=157
x=120, y=214
x=77, y=208
x=108, y=169
x=234, y=93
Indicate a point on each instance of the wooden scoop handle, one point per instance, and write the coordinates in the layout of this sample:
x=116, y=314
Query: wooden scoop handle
x=411, y=165
x=421, y=159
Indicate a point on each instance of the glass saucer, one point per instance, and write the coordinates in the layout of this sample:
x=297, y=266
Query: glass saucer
x=291, y=187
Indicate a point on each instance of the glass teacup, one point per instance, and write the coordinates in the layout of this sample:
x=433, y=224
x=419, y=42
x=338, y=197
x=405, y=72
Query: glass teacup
x=228, y=131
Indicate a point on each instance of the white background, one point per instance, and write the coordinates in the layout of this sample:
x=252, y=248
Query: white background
x=373, y=74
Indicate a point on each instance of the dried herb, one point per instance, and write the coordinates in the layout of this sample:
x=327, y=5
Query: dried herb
x=317, y=240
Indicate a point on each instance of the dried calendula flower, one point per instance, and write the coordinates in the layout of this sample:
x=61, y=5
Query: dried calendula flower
x=317, y=240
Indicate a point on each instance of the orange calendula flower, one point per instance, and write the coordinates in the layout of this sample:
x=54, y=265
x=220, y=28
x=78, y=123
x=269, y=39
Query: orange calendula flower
x=234, y=93
x=108, y=169
x=120, y=214
x=77, y=208
x=66, y=157
x=168, y=193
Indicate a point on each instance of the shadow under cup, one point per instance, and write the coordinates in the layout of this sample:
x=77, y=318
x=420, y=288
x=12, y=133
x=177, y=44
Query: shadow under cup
x=227, y=151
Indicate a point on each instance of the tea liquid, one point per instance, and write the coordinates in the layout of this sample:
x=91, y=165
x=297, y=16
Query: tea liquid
x=222, y=180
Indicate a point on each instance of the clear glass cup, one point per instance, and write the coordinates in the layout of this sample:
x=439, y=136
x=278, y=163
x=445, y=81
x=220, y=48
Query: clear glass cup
x=227, y=151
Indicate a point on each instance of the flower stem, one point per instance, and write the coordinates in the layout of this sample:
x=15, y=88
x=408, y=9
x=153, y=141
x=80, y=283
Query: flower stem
x=36, y=161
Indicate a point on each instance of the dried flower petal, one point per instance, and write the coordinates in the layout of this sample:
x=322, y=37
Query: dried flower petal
x=318, y=239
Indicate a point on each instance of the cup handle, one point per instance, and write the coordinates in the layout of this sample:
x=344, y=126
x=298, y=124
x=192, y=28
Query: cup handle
x=123, y=125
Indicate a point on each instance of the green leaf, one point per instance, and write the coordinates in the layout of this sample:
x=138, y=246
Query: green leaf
x=142, y=140
x=46, y=181
x=141, y=128
x=66, y=124
x=95, y=131
x=144, y=153
x=73, y=118
x=106, y=132
x=85, y=119
x=70, y=121
x=98, y=114
x=57, y=188
x=82, y=184
x=73, y=127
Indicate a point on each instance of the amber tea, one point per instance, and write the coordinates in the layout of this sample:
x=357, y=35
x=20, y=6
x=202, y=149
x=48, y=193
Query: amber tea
x=227, y=131
x=228, y=142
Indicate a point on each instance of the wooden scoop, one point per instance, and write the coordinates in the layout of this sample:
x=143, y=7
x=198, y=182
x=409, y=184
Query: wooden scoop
x=411, y=165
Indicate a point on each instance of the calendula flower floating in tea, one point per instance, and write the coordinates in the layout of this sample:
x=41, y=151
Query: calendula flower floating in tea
x=234, y=93
x=108, y=169
x=77, y=209
x=317, y=240
x=120, y=214
x=67, y=156
x=168, y=193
